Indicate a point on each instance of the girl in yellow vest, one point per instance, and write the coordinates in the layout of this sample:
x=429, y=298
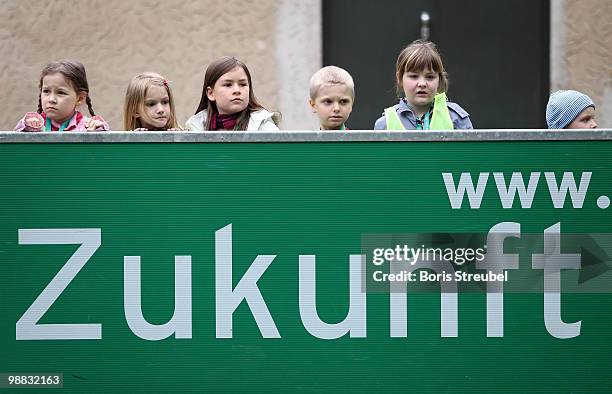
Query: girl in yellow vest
x=421, y=77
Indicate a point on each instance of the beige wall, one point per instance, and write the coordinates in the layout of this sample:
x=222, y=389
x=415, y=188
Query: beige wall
x=581, y=51
x=279, y=40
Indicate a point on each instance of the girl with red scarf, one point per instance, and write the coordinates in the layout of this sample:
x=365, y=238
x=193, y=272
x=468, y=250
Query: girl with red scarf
x=228, y=101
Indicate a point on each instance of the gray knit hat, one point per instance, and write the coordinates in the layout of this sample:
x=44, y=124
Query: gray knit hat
x=563, y=107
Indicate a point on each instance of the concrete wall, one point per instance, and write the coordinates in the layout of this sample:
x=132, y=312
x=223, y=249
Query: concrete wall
x=581, y=51
x=279, y=40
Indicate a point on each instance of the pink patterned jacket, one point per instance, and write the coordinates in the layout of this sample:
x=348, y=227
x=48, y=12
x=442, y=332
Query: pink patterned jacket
x=78, y=122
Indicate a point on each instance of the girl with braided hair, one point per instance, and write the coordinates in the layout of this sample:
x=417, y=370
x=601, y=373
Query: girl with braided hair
x=62, y=89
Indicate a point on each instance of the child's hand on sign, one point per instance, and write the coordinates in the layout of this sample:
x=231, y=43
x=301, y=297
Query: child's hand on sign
x=94, y=123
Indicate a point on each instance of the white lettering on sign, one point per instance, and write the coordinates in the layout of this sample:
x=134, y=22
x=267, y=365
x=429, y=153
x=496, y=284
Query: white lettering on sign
x=552, y=261
x=27, y=326
x=180, y=324
x=355, y=321
x=228, y=297
x=507, y=193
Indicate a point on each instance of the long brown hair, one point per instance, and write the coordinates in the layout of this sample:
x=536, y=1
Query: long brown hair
x=215, y=70
x=74, y=72
x=135, y=98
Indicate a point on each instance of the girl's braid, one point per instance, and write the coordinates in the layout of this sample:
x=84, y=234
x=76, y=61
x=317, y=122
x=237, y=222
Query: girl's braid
x=88, y=101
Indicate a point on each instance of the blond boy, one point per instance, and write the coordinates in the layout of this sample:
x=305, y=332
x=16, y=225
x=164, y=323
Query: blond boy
x=332, y=93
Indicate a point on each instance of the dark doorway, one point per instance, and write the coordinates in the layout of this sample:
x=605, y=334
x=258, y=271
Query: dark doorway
x=495, y=52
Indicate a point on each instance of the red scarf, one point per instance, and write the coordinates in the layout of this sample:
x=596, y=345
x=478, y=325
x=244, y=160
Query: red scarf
x=224, y=122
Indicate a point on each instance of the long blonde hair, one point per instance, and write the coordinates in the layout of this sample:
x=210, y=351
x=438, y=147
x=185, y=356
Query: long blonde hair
x=135, y=98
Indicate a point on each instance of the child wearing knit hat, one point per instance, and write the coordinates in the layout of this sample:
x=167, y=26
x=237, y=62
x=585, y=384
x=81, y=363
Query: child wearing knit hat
x=569, y=109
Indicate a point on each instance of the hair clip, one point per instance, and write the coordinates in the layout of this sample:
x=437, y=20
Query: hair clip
x=165, y=82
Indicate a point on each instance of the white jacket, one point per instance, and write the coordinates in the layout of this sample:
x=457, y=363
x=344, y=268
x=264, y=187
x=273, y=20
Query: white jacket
x=260, y=120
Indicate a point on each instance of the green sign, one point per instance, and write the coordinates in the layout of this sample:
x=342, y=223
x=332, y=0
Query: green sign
x=250, y=267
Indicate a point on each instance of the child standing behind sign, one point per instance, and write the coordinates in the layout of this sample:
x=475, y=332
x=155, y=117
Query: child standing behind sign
x=421, y=77
x=149, y=104
x=62, y=89
x=569, y=109
x=228, y=101
x=332, y=93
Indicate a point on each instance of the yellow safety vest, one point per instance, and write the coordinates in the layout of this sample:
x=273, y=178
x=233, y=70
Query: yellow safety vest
x=440, y=119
